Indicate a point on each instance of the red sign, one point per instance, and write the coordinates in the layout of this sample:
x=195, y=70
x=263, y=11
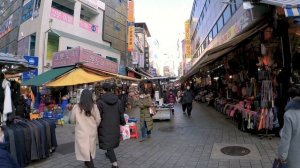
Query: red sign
x=60, y=15
x=86, y=57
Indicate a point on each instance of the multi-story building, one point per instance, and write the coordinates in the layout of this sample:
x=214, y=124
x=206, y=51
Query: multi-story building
x=215, y=22
x=142, y=33
x=10, y=19
x=115, y=29
x=56, y=25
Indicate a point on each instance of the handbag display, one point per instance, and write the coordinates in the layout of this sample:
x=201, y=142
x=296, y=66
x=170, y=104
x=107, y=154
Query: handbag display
x=278, y=164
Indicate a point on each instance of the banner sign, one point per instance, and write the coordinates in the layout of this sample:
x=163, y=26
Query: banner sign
x=55, y=13
x=187, y=40
x=88, y=26
x=86, y=57
x=33, y=61
x=6, y=26
x=131, y=28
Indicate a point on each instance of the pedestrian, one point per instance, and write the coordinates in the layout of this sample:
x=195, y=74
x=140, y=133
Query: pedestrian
x=171, y=97
x=178, y=96
x=112, y=117
x=146, y=121
x=86, y=117
x=187, y=101
x=289, y=148
x=124, y=100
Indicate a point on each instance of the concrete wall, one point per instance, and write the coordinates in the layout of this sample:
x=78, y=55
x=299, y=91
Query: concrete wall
x=44, y=22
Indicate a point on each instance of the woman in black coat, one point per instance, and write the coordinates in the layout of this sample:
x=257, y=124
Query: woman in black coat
x=109, y=130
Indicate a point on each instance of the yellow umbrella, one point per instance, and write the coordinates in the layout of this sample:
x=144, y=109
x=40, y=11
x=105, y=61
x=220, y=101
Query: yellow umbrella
x=76, y=77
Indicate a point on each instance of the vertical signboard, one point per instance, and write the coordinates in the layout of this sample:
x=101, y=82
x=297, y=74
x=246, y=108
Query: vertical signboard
x=131, y=25
x=146, y=66
x=33, y=61
x=187, y=40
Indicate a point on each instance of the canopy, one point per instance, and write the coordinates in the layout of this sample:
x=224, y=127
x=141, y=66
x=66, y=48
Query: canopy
x=47, y=76
x=76, y=77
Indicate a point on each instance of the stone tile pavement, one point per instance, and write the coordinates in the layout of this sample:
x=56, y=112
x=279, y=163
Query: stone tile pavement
x=180, y=143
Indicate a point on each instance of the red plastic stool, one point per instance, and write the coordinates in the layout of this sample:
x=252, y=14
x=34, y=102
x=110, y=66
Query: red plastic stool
x=133, y=131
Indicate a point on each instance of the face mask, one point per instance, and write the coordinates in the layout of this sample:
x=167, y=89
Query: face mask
x=188, y=88
x=123, y=92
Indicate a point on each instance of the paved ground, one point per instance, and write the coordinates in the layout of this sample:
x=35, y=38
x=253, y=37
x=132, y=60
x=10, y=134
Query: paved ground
x=180, y=143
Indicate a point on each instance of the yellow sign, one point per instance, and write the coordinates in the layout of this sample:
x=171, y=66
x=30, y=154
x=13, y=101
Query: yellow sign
x=187, y=40
x=131, y=27
x=130, y=38
x=131, y=11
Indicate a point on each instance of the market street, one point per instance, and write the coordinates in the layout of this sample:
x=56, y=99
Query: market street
x=181, y=142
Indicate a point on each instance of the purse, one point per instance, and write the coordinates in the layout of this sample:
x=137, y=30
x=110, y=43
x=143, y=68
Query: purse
x=278, y=164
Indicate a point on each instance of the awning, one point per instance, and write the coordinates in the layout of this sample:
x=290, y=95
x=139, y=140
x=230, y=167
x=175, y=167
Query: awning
x=76, y=77
x=214, y=53
x=134, y=71
x=281, y=3
x=127, y=78
x=292, y=11
x=47, y=76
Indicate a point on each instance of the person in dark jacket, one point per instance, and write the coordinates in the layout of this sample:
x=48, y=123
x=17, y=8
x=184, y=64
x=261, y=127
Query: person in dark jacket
x=187, y=101
x=109, y=129
x=124, y=100
x=6, y=160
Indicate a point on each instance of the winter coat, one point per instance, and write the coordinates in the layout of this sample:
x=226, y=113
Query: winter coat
x=171, y=98
x=6, y=160
x=289, y=148
x=85, y=132
x=109, y=130
x=124, y=100
x=187, y=97
x=144, y=104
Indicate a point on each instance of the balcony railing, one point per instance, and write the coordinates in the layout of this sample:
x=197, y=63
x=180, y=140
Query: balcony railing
x=60, y=15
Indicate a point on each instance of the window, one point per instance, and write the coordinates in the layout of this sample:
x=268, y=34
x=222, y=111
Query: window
x=220, y=23
x=32, y=45
x=202, y=16
x=227, y=14
x=215, y=31
x=205, y=6
x=238, y=3
x=68, y=47
x=207, y=40
x=210, y=36
x=62, y=8
x=233, y=7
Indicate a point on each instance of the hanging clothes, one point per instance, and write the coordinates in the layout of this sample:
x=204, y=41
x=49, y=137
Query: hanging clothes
x=7, y=99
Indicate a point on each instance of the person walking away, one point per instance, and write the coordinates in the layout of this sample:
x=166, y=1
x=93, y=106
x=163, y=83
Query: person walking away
x=112, y=117
x=187, y=100
x=289, y=147
x=146, y=121
x=86, y=117
x=124, y=100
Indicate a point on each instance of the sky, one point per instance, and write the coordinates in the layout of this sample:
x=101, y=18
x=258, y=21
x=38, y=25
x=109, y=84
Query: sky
x=165, y=21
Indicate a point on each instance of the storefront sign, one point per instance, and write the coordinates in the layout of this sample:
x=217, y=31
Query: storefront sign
x=131, y=11
x=6, y=26
x=86, y=57
x=32, y=60
x=60, y=15
x=135, y=57
x=187, y=40
x=131, y=30
x=88, y=26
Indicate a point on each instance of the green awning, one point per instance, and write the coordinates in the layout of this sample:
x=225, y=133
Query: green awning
x=47, y=76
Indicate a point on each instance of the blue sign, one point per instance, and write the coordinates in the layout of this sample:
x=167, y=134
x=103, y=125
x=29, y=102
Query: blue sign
x=29, y=74
x=33, y=61
x=94, y=28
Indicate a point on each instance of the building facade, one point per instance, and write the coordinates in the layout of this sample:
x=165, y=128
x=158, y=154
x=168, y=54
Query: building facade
x=57, y=25
x=215, y=22
x=10, y=19
x=115, y=29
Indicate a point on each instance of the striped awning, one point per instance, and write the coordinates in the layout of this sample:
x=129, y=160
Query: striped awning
x=292, y=11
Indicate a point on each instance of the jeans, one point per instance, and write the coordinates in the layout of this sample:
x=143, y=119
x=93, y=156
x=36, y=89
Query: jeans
x=143, y=130
x=183, y=107
x=111, y=155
